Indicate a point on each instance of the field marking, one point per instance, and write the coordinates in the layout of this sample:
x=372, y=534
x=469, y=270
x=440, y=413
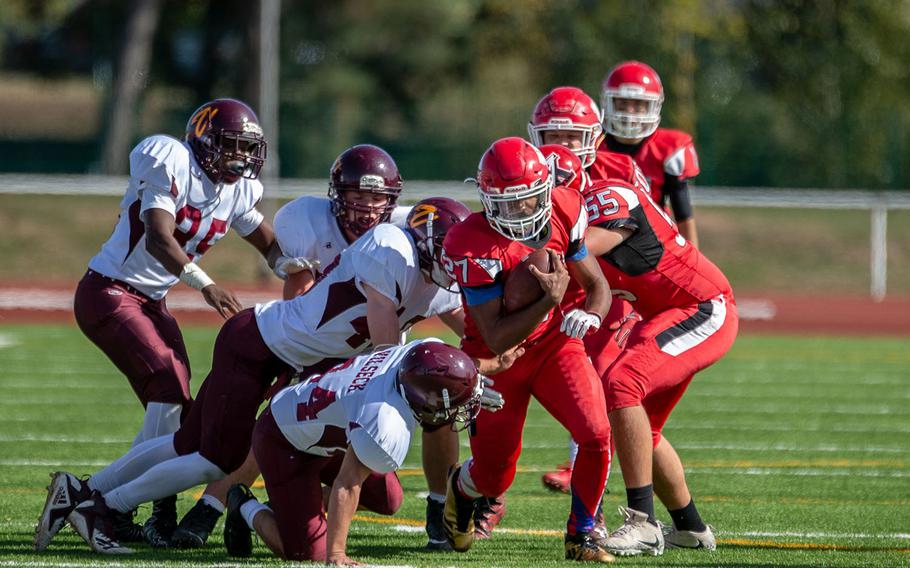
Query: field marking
x=8, y=340
x=742, y=448
x=63, y=439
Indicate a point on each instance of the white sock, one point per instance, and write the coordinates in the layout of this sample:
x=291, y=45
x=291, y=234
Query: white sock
x=437, y=497
x=134, y=463
x=161, y=419
x=165, y=479
x=465, y=483
x=250, y=509
x=212, y=502
x=573, y=451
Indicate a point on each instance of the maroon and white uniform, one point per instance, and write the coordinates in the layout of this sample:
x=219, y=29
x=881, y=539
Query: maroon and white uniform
x=119, y=303
x=686, y=302
x=300, y=440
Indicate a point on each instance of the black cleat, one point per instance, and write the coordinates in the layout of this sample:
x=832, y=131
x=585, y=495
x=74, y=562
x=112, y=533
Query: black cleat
x=160, y=525
x=436, y=533
x=238, y=538
x=125, y=530
x=195, y=526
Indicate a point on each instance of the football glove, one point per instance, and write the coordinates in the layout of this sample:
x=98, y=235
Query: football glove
x=291, y=265
x=624, y=327
x=490, y=399
x=577, y=323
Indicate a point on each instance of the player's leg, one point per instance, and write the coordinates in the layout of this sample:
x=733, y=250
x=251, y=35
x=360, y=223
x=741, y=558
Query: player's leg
x=571, y=391
x=439, y=454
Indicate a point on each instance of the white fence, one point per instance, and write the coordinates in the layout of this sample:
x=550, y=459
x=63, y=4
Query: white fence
x=877, y=203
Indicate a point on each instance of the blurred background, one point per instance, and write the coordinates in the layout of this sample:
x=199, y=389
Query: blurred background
x=786, y=94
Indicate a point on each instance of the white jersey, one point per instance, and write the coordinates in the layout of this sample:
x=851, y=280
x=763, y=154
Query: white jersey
x=306, y=228
x=330, y=319
x=355, y=403
x=164, y=175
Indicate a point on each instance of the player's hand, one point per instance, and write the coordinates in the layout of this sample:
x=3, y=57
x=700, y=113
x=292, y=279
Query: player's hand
x=554, y=284
x=341, y=559
x=292, y=265
x=224, y=301
x=490, y=399
x=577, y=323
x=624, y=327
x=499, y=363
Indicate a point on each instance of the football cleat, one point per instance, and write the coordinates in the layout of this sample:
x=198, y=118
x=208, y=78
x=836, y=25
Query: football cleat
x=559, y=480
x=195, y=526
x=488, y=512
x=702, y=540
x=636, y=535
x=92, y=520
x=600, y=532
x=63, y=494
x=583, y=547
x=125, y=530
x=436, y=533
x=238, y=538
x=160, y=525
x=458, y=518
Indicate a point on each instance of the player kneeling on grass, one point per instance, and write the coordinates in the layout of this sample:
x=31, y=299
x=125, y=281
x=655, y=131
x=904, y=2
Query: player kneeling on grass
x=350, y=429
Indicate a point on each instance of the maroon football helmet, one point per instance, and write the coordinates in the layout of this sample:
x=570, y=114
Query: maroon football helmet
x=440, y=384
x=428, y=222
x=368, y=169
x=226, y=140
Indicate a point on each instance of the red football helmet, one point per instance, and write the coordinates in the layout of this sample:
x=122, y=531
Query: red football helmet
x=515, y=188
x=368, y=169
x=566, y=167
x=428, y=222
x=440, y=384
x=636, y=81
x=568, y=109
x=226, y=140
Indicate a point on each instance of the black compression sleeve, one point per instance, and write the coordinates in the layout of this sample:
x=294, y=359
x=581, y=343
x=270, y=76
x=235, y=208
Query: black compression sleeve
x=678, y=192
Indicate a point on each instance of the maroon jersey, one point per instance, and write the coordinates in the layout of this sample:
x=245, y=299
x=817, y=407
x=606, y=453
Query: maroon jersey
x=655, y=268
x=666, y=152
x=479, y=259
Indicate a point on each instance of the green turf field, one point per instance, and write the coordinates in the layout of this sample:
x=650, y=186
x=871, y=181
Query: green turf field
x=797, y=449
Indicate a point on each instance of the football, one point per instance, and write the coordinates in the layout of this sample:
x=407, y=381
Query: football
x=521, y=287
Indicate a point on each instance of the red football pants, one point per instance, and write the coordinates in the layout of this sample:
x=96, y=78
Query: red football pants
x=559, y=374
x=663, y=354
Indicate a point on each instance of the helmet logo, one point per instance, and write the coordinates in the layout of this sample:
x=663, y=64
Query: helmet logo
x=251, y=127
x=422, y=214
x=371, y=181
x=203, y=120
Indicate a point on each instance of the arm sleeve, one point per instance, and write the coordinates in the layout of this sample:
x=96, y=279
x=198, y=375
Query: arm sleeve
x=476, y=295
x=249, y=220
x=293, y=230
x=380, y=264
x=680, y=201
x=155, y=165
x=370, y=453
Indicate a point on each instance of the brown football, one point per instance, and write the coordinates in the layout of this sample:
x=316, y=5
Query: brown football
x=522, y=288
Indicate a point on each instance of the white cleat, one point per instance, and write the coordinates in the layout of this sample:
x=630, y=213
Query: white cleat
x=91, y=519
x=635, y=536
x=703, y=540
x=63, y=494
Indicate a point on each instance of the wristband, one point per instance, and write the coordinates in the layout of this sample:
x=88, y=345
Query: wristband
x=195, y=277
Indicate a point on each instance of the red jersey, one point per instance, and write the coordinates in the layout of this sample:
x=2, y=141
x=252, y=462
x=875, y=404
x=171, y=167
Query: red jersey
x=613, y=165
x=655, y=268
x=666, y=152
x=479, y=259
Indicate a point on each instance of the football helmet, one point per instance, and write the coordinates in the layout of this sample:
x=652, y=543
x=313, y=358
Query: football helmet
x=440, y=384
x=515, y=188
x=226, y=139
x=568, y=109
x=566, y=167
x=428, y=222
x=368, y=169
x=636, y=81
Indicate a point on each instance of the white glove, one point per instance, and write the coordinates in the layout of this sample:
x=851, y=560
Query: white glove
x=577, y=323
x=490, y=399
x=291, y=265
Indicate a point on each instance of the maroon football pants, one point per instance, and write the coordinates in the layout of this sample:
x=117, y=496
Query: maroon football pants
x=139, y=335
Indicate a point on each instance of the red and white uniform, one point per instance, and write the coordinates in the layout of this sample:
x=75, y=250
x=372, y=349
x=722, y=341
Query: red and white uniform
x=667, y=152
x=686, y=302
x=330, y=319
x=554, y=368
x=613, y=165
x=306, y=228
x=164, y=175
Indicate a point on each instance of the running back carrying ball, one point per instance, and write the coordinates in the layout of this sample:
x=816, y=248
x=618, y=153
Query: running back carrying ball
x=521, y=287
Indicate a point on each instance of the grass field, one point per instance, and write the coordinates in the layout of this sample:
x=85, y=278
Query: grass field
x=797, y=449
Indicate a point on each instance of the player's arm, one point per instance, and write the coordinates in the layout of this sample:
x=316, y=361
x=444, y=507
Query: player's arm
x=454, y=320
x=297, y=283
x=382, y=318
x=588, y=274
x=161, y=244
x=502, y=332
x=343, y=503
x=263, y=239
x=600, y=240
x=681, y=203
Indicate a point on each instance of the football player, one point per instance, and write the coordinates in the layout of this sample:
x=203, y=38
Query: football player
x=631, y=96
x=350, y=429
x=568, y=118
x=689, y=320
x=523, y=212
x=376, y=289
x=364, y=186
x=182, y=197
